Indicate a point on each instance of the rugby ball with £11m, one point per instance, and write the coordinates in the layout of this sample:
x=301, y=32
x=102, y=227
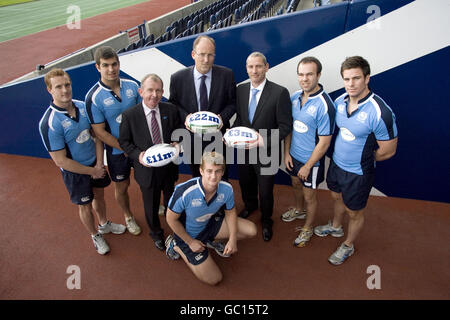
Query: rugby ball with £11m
x=160, y=154
x=240, y=137
x=204, y=122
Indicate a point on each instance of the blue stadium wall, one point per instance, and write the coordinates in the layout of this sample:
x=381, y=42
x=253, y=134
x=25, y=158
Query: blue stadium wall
x=406, y=43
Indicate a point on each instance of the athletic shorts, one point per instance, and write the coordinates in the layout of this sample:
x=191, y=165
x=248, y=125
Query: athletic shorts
x=355, y=188
x=208, y=234
x=80, y=186
x=315, y=177
x=119, y=166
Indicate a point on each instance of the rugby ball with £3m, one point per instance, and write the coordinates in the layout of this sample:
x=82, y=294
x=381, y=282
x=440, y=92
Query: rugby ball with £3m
x=240, y=137
x=204, y=122
x=160, y=154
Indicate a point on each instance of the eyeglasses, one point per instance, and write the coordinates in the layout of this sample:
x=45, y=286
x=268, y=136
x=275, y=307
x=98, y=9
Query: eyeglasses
x=203, y=55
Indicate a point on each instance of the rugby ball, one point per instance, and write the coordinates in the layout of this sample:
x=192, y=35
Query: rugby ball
x=204, y=122
x=159, y=155
x=240, y=137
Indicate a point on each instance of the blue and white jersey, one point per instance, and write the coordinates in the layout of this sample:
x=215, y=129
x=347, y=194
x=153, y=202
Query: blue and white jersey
x=315, y=118
x=358, y=133
x=103, y=105
x=58, y=131
x=188, y=199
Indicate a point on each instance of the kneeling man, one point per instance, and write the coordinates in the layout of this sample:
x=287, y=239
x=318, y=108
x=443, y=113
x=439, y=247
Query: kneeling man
x=200, y=211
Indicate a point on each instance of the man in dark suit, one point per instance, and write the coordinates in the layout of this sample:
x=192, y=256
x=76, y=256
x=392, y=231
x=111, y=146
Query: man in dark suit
x=144, y=125
x=261, y=104
x=204, y=87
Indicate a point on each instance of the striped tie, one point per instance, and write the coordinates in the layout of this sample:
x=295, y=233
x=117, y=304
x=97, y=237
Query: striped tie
x=156, y=136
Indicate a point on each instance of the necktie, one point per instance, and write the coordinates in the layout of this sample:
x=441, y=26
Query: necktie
x=252, y=105
x=155, y=129
x=203, y=95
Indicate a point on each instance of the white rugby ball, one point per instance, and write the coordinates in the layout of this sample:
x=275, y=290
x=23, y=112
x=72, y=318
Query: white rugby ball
x=240, y=137
x=204, y=122
x=160, y=154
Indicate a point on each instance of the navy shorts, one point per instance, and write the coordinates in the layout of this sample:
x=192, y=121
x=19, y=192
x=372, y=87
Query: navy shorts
x=119, y=166
x=80, y=186
x=208, y=234
x=316, y=175
x=355, y=188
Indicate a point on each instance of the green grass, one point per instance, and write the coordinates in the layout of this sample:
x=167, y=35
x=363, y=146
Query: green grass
x=9, y=2
x=31, y=17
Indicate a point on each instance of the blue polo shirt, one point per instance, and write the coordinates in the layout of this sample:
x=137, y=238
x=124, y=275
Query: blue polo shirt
x=58, y=131
x=103, y=105
x=188, y=199
x=358, y=132
x=315, y=118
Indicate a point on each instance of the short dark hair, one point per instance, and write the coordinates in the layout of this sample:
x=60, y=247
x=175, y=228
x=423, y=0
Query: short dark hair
x=356, y=62
x=104, y=52
x=311, y=60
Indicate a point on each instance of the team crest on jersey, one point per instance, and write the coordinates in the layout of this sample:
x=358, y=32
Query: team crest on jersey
x=108, y=101
x=311, y=110
x=362, y=116
x=66, y=123
x=119, y=118
x=300, y=126
x=220, y=197
x=129, y=93
x=83, y=136
x=341, y=108
x=196, y=202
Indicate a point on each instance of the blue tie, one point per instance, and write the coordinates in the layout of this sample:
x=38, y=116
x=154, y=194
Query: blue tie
x=252, y=105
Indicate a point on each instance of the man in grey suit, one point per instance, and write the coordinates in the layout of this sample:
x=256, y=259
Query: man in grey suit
x=144, y=125
x=204, y=87
x=261, y=104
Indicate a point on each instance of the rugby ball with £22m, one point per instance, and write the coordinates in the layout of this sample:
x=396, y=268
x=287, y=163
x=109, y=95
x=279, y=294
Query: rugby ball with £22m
x=240, y=137
x=204, y=122
x=160, y=154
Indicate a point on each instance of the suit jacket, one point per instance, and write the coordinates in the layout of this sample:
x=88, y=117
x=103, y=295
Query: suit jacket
x=274, y=111
x=134, y=137
x=222, y=96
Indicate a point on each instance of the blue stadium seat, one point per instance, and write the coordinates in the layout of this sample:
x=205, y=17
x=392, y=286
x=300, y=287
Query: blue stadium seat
x=131, y=46
x=122, y=50
x=212, y=19
x=200, y=27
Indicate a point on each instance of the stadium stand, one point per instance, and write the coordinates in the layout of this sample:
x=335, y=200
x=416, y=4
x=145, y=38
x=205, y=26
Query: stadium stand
x=192, y=19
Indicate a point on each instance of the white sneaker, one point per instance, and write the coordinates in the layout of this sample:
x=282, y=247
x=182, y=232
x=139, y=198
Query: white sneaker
x=341, y=254
x=293, y=214
x=132, y=226
x=112, y=227
x=100, y=244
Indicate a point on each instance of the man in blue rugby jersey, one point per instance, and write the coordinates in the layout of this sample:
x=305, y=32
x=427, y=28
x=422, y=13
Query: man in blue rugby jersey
x=313, y=116
x=66, y=134
x=200, y=211
x=105, y=102
x=367, y=133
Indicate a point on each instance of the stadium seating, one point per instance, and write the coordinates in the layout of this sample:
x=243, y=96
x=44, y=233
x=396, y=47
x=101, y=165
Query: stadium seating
x=219, y=14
